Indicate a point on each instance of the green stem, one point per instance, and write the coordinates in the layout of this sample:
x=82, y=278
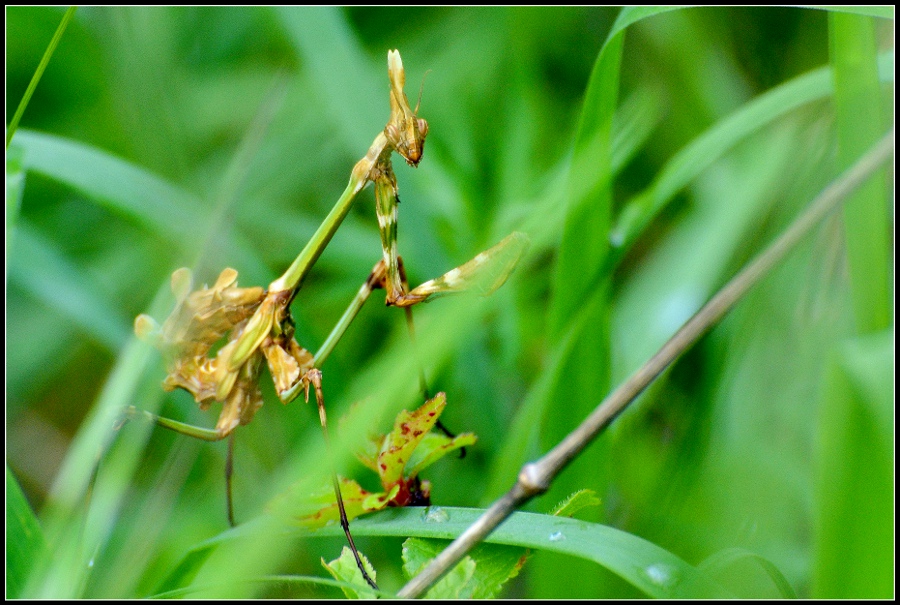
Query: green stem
x=296, y=273
x=38, y=73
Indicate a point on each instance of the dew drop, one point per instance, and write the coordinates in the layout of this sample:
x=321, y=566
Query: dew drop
x=660, y=574
x=435, y=514
x=616, y=238
x=557, y=536
x=91, y=563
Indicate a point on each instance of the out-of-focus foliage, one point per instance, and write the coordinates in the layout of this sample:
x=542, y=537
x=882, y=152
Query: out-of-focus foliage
x=220, y=137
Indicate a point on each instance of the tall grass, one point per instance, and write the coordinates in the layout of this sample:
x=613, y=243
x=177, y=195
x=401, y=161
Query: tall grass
x=646, y=174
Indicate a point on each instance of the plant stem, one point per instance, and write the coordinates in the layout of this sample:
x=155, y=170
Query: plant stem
x=535, y=477
x=45, y=60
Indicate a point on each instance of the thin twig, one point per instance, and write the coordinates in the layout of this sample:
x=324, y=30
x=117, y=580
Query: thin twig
x=535, y=477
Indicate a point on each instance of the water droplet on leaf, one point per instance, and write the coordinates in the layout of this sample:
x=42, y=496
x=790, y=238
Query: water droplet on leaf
x=660, y=574
x=557, y=536
x=435, y=514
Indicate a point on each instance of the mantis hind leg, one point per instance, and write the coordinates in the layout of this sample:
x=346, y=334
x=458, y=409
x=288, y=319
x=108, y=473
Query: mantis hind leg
x=197, y=432
x=229, y=471
x=314, y=378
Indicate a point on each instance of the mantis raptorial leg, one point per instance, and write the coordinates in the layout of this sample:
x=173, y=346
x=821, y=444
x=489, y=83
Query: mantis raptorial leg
x=484, y=273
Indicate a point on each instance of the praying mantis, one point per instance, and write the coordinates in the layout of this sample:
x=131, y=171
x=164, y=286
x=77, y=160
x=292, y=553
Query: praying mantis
x=256, y=324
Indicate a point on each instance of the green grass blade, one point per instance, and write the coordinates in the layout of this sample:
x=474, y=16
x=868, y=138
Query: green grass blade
x=585, y=240
x=75, y=535
x=15, y=188
x=748, y=575
x=340, y=69
x=883, y=12
x=45, y=60
x=119, y=186
x=867, y=221
x=854, y=553
x=25, y=542
x=651, y=569
x=700, y=153
x=41, y=269
x=581, y=285
x=480, y=575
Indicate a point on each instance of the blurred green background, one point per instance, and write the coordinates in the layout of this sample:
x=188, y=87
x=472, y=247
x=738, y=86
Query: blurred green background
x=213, y=137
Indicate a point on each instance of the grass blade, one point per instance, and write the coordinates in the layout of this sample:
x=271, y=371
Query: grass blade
x=654, y=571
x=867, y=224
x=45, y=60
x=855, y=518
x=25, y=542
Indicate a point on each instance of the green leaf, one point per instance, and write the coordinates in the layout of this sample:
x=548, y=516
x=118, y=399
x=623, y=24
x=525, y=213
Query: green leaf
x=575, y=502
x=854, y=553
x=409, y=430
x=25, y=543
x=345, y=569
x=480, y=575
x=320, y=507
x=458, y=583
x=433, y=447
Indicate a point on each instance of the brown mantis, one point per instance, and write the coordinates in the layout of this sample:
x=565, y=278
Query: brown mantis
x=255, y=324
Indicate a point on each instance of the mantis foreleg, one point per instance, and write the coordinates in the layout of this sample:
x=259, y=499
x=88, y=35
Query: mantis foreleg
x=484, y=273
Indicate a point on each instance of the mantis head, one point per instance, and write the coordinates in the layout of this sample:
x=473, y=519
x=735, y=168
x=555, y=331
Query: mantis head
x=405, y=130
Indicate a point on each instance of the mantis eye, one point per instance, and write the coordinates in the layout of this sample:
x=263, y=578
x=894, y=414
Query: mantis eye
x=422, y=126
x=392, y=133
